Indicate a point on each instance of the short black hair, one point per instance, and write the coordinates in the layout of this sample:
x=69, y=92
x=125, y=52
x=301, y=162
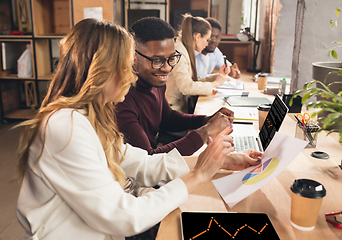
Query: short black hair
x=152, y=29
x=214, y=23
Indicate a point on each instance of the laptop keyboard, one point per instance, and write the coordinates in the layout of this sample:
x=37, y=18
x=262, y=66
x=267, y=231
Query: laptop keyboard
x=242, y=143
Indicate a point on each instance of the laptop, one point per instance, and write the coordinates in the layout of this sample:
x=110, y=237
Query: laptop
x=245, y=135
x=230, y=225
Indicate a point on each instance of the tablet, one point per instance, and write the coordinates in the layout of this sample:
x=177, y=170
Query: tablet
x=216, y=225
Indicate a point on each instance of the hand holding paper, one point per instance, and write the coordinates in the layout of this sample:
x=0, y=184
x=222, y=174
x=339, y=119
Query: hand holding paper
x=237, y=186
x=242, y=160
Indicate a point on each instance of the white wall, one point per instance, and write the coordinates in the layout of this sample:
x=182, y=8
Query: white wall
x=317, y=36
x=284, y=40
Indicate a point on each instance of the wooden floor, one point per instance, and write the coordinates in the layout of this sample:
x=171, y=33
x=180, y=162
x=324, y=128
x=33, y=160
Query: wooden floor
x=10, y=229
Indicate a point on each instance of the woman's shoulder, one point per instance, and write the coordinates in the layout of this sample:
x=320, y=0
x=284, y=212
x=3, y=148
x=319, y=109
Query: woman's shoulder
x=64, y=124
x=66, y=113
x=66, y=117
x=180, y=46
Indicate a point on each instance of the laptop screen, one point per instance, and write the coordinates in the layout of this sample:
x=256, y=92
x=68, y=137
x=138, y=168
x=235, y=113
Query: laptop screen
x=273, y=121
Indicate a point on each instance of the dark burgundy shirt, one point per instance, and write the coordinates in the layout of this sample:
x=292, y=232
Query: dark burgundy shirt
x=146, y=110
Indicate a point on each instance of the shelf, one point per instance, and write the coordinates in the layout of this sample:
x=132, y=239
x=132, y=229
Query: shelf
x=51, y=17
x=50, y=36
x=21, y=114
x=13, y=37
x=150, y=2
x=49, y=21
x=45, y=78
x=43, y=57
x=3, y=76
x=11, y=50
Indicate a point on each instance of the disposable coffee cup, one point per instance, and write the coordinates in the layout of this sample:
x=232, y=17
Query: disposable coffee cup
x=262, y=81
x=263, y=110
x=306, y=199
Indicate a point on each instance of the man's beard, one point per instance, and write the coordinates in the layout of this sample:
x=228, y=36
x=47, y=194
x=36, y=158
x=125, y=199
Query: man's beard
x=208, y=50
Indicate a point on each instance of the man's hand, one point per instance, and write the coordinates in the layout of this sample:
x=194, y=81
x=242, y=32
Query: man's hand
x=223, y=110
x=234, y=71
x=214, y=126
x=241, y=160
x=225, y=70
x=222, y=77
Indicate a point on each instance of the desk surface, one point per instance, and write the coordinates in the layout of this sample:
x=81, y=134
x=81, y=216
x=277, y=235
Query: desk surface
x=275, y=197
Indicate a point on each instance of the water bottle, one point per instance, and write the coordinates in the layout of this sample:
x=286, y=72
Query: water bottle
x=282, y=86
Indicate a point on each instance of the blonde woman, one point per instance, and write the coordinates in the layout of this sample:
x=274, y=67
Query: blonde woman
x=183, y=81
x=73, y=163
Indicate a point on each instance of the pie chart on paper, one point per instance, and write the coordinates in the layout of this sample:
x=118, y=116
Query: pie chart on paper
x=260, y=173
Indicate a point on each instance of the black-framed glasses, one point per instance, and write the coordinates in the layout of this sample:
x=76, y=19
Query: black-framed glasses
x=214, y=38
x=157, y=63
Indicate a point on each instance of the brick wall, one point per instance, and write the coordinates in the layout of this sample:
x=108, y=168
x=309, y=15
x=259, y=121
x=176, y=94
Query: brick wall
x=5, y=17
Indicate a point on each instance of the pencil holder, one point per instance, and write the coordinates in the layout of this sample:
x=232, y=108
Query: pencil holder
x=307, y=133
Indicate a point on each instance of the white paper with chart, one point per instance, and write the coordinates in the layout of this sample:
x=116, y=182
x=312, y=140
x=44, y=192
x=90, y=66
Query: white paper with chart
x=278, y=155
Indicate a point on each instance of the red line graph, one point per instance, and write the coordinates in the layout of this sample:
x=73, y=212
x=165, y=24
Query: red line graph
x=228, y=233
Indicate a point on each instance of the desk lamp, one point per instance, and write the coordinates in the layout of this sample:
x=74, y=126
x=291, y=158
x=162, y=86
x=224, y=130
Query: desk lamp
x=244, y=36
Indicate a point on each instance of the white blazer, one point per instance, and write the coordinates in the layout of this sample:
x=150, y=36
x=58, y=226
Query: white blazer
x=69, y=193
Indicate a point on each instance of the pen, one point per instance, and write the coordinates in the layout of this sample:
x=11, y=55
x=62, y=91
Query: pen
x=306, y=133
x=300, y=122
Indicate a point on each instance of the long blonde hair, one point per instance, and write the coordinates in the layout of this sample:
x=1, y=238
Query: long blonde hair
x=190, y=27
x=90, y=54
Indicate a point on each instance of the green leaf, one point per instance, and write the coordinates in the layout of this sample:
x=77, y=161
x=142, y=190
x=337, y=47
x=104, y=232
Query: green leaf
x=332, y=24
x=306, y=97
x=338, y=42
x=334, y=54
x=314, y=91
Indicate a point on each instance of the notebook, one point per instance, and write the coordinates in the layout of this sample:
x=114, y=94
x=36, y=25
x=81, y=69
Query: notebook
x=271, y=125
x=219, y=225
x=246, y=101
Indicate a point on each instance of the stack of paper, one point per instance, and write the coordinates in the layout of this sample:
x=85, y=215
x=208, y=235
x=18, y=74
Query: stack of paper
x=232, y=83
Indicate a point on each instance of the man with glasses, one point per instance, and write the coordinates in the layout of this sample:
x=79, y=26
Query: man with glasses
x=211, y=57
x=146, y=112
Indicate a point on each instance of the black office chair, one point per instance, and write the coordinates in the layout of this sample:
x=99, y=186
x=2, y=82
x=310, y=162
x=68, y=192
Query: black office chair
x=165, y=137
x=192, y=100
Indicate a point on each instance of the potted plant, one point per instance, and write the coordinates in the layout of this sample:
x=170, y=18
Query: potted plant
x=327, y=88
x=328, y=104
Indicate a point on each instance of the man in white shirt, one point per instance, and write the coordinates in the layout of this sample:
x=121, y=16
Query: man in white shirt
x=211, y=57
